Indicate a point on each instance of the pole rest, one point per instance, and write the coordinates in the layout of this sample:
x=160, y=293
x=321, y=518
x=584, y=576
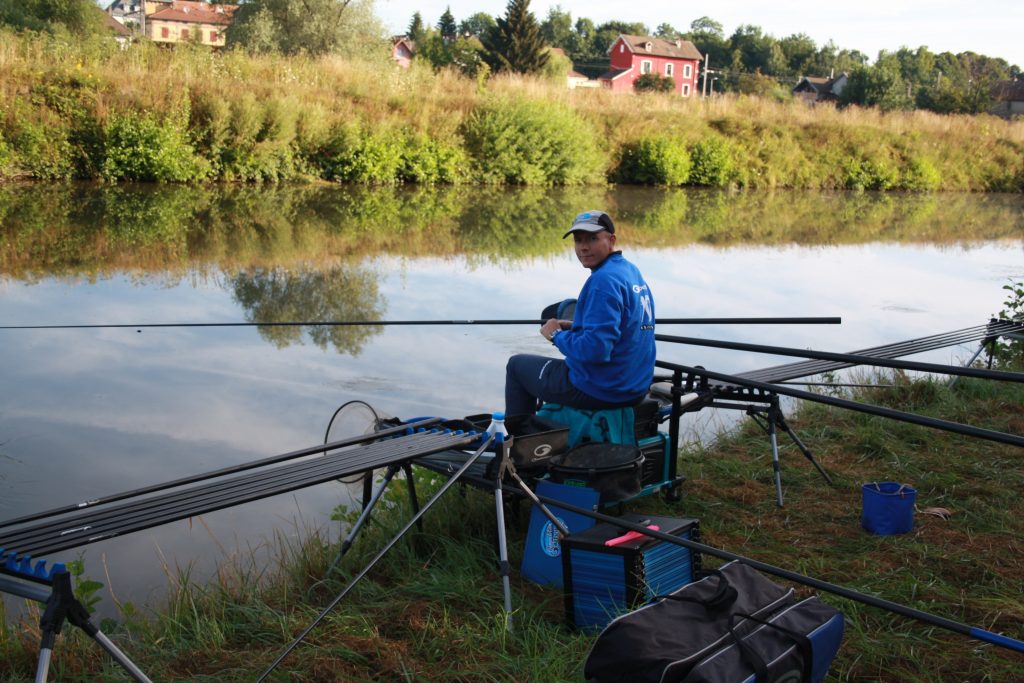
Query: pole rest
x=22, y=568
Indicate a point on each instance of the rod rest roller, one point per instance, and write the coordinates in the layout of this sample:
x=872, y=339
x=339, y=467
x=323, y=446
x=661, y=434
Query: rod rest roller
x=10, y=564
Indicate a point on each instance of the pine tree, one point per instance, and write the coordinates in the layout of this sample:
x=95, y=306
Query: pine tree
x=516, y=43
x=446, y=26
x=416, y=30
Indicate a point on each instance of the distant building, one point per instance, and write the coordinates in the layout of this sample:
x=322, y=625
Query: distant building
x=182, y=21
x=402, y=49
x=1009, y=98
x=812, y=89
x=634, y=56
x=573, y=78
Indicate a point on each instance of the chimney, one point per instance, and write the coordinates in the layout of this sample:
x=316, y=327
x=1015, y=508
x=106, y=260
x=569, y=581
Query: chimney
x=679, y=42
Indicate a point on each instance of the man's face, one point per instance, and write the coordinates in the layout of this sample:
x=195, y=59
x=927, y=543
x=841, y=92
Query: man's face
x=593, y=247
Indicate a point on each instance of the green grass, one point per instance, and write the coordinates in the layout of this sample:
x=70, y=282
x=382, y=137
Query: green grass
x=80, y=109
x=431, y=610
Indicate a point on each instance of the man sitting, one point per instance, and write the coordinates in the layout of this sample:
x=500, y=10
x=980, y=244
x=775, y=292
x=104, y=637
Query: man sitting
x=609, y=346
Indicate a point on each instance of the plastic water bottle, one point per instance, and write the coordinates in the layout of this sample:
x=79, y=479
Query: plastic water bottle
x=497, y=427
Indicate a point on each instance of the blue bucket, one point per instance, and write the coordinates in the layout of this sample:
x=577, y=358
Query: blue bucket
x=888, y=508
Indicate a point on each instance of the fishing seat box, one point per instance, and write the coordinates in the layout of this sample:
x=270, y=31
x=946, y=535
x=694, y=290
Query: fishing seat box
x=535, y=439
x=601, y=582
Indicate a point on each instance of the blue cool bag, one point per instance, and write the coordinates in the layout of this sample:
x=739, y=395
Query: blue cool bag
x=610, y=425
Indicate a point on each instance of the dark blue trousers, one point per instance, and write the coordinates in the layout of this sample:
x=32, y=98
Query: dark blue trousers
x=529, y=378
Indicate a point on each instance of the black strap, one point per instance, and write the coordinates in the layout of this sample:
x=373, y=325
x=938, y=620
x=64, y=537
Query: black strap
x=756, y=661
x=723, y=597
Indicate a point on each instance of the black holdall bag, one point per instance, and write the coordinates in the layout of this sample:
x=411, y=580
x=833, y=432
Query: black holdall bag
x=732, y=626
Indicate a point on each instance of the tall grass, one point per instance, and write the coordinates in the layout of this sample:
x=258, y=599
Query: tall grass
x=275, y=118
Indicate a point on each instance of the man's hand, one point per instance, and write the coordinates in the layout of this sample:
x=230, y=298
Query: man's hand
x=552, y=325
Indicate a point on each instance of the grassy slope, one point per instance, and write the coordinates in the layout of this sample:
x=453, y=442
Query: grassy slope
x=431, y=611
x=295, y=103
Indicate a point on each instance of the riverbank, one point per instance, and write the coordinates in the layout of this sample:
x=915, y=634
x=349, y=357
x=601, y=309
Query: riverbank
x=431, y=610
x=93, y=111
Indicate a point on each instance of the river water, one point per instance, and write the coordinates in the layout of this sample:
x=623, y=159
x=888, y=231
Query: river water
x=90, y=412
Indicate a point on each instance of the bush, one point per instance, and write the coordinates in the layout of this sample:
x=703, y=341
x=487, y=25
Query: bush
x=869, y=174
x=654, y=83
x=713, y=164
x=519, y=142
x=5, y=156
x=654, y=160
x=42, y=149
x=920, y=175
x=141, y=148
x=428, y=162
x=352, y=155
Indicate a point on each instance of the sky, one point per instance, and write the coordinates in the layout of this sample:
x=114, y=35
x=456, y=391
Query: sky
x=989, y=27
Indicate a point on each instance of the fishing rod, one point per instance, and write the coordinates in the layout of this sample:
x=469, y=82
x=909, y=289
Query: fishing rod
x=834, y=320
x=935, y=620
x=313, y=450
x=849, y=358
x=933, y=422
x=134, y=516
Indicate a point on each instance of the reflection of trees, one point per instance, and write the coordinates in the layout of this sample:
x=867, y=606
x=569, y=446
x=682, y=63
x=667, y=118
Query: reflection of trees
x=342, y=293
x=169, y=231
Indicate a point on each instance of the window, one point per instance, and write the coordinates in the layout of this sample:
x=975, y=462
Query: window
x=213, y=36
x=622, y=47
x=646, y=66
x=686, y=89
x=184, y=34
x=669, y=70
x=165, y=32
x=687, y=70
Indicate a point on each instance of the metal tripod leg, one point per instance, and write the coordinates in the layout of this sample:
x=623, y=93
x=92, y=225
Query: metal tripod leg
x=781, y=421
x=363, y=516
x=62, y=605
x=775, y=457
x=504, y=568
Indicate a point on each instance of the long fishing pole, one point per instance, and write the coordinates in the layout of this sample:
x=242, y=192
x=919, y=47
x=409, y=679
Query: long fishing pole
x=312, y=450
x=933, y=422
x=850, y=358
x=835, y=320
x=942, y=622
x=134, y=516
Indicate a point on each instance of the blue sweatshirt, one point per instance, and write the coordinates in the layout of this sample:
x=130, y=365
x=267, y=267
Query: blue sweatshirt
x=610, y=349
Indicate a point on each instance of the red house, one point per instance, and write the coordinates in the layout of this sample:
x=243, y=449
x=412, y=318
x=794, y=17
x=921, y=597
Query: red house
x=633, y=56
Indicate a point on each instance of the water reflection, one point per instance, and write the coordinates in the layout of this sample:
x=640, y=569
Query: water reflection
x=92, y=231
x=340, y=293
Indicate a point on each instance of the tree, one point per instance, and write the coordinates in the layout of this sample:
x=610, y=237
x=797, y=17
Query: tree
x=879, y=85
x=323, y=27
x=708, y=37
x=516, y=43
x=557, y=28
x=477, y=25
x=666, y=31
x=79, y=17
x=416, y=31
x=446, y=26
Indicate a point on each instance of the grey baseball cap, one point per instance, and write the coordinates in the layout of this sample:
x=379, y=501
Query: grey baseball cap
x=591, y=221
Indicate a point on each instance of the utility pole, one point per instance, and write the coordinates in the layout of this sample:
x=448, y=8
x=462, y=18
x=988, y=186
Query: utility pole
x=704, y=87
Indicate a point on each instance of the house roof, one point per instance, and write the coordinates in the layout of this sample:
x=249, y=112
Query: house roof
x=1008, y=91
x=658, y=47
x=192, y=12
x=612, y=74
x=819, y=84
x=115, y=26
